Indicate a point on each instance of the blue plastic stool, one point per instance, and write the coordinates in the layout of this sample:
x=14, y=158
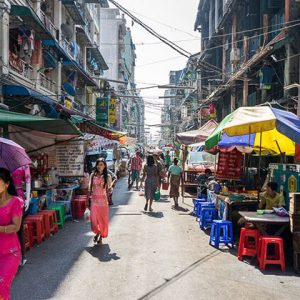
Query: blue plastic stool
x=221, y=233
x=207, y=215
x=202, y=205
x=196, y=201
x=202, y=196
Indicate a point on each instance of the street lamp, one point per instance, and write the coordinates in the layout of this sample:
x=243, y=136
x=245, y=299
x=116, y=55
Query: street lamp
x=292, y=86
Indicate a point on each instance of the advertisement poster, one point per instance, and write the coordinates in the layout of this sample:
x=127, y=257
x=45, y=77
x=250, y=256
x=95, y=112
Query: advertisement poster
x=102, y=110
x=230, y=165
x=70, y=158
x=112, y=111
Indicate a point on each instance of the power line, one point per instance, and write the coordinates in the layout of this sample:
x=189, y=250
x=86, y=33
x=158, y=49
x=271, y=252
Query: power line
x=174, y=46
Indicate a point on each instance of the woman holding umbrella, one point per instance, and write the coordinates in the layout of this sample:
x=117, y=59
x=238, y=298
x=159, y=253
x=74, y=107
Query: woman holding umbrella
x=11, y=210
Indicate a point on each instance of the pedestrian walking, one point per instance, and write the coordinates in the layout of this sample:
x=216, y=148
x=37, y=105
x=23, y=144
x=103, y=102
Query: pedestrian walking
x=151, y=177
x=99, y=188
x=167, y=160
x=136, y=167
x=11, y=211
x=174, y=177
x=160, y=167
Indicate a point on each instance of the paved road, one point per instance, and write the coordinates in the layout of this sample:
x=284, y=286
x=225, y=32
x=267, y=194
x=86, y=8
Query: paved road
x=162, y=255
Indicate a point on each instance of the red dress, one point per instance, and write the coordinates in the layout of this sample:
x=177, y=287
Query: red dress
x=10, y=251
x=99, y=207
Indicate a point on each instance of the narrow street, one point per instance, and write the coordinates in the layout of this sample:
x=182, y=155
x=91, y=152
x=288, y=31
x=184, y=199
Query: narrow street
x=159, y=255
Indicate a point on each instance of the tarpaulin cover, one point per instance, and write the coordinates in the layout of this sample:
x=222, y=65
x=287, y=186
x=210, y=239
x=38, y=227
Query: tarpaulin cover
x=197, y=136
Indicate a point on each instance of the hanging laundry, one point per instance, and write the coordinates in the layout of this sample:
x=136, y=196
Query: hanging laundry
x=36, y=58
x=266, y=75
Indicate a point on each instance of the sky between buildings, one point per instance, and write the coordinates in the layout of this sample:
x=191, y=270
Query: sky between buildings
x=179, y=16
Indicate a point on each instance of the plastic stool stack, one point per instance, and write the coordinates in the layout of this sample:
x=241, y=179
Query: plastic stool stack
x=207, y=215
x=221, y=233
x=264, y=258
x=38, y=227
x=60, y=213
x=51, y=215
x=27, y=237
x=248, y=245
x=196, y=201
x=200, y=206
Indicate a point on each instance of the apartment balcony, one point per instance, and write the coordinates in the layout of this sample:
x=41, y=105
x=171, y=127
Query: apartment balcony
x=20, y=67
x=75, y=10
x=84, y=35
x=48, y=24
x=47, y=83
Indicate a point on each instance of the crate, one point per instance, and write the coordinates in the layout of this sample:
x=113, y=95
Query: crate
x=295, y=222
x=294, y=203
x=297, y=262
x=296, y=241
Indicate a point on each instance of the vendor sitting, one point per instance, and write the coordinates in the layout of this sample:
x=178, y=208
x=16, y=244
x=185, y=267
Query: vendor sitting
x=270, y=198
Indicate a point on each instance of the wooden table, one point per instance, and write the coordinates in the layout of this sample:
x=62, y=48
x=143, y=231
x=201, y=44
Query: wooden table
x=260, y=220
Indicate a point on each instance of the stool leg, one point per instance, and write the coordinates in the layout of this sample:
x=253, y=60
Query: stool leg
x=217, y=236
x=282, y=258
x=241, y=244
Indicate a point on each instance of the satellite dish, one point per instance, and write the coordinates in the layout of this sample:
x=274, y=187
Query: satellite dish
x=66, y=30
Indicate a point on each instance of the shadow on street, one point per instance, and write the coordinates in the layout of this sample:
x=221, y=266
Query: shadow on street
x=102, y=252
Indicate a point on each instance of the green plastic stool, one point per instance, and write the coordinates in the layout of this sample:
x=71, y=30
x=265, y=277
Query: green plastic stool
x=60, y=212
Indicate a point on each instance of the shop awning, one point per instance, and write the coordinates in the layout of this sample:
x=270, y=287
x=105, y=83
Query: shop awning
x=87, y=126
x=199, y=135
x=95, y=52
x=18, y=90
x=31, y=19
x=53, y=126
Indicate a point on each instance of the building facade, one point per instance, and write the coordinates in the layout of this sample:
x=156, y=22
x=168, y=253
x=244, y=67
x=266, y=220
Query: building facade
x=50, y=56
x=250, y=53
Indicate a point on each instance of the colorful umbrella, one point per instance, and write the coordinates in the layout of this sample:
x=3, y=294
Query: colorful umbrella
x=262, y=128
x=12, y=155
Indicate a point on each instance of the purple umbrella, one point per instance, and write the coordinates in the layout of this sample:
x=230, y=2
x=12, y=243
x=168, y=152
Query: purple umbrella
x=12, y=155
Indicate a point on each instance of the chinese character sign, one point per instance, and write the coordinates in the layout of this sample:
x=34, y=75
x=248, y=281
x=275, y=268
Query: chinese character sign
x=102, y=110
x=112, y=111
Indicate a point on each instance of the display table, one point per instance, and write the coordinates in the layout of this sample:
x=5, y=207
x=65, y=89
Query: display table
x=260, y=221
x=227, y=206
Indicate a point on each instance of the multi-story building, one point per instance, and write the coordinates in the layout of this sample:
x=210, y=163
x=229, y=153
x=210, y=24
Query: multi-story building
x=250, y=52
x=119, y=52
x=50, y=55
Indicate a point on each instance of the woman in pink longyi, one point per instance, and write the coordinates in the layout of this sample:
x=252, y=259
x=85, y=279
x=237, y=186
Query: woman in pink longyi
x=11, y=210
x=100, y=184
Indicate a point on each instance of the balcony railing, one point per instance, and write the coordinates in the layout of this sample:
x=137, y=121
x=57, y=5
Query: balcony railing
x=48, y=24
x=20, y=66
x=47, y=83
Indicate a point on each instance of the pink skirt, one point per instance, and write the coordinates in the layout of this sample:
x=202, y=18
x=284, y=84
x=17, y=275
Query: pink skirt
x=99, y=215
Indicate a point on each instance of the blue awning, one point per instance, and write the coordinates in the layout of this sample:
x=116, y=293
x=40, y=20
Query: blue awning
x=21, y=91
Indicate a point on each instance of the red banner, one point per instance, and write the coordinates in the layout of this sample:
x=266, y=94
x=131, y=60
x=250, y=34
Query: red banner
x=230, y=165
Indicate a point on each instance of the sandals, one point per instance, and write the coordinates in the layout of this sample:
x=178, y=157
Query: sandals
x=150, y=209
x=96, y=238
x=146, y=206
x=99, y=242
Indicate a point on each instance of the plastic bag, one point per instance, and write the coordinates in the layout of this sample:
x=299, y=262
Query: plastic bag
x=157, y=195
x=87, y=215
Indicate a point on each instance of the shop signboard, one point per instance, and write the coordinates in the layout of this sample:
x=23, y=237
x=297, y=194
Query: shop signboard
x=102, y=110
x=230, y=165
x=70, y=158
x=112, y=111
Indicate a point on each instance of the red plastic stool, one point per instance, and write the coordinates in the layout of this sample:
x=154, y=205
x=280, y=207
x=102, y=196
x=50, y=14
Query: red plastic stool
x=249, y=240
x=47, y=223
x=78, y=207
x=38, y=225
x=266, y=259
x=27, y=237
x=53, y=225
